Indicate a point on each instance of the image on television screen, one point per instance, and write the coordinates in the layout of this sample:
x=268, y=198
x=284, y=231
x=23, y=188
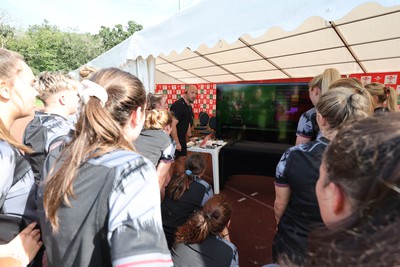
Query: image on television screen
x=261, y=112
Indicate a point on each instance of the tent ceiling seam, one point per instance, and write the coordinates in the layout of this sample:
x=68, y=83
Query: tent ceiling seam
x=172, y=63
x=264, y=57
x=217, y=65
x=344, y=41
x=368, y=18
x=172, y=77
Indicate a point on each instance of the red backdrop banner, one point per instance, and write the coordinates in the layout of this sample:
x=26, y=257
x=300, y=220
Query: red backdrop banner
x=206, y=99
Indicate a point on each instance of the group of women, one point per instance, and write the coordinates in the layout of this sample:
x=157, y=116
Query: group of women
x=333, y=193
x=100, y=203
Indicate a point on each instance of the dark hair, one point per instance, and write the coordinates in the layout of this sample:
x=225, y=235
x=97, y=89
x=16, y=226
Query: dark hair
x=212, y=219
x=98, y=131
x=363, y=160
x=196, y=165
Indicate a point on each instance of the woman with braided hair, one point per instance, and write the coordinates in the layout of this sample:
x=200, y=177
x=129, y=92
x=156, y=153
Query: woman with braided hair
x=204, y=239
x=296, y=206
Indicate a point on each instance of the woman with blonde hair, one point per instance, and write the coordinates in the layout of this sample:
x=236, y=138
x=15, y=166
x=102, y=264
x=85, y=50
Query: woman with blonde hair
x=100, y=203
x=307, y=129
x=155, y=143
x=384, y=98
x=296, y=206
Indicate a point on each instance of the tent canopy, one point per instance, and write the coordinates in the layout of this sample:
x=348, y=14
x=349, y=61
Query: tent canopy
x=218, y=41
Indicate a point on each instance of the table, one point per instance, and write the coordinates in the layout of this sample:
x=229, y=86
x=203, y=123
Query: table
x=249, y=158
x=214, y=158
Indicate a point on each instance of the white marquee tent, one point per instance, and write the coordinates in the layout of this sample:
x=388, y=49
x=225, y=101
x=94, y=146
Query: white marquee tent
x=236, y=40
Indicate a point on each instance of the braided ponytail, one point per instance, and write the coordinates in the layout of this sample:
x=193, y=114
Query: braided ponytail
x=345, y=100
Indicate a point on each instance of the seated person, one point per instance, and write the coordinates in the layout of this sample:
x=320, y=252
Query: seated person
x=204, y=239
x=184, y=195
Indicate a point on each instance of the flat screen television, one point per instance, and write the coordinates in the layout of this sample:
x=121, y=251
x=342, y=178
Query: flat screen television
x=267, y=112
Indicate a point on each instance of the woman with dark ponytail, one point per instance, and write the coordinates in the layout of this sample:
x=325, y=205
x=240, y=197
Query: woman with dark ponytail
x=184, y=195
x=204, y=239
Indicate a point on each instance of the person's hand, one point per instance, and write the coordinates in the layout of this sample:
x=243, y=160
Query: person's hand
x=178, y=147
x=26, y=244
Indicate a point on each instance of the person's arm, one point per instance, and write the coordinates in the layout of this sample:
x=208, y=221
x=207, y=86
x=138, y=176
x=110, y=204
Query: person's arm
x=174, y=134
x=22, y=249
x=305, y=127
x=282, y=196
x=163, y=171
x=302, y=140
x=282, y=188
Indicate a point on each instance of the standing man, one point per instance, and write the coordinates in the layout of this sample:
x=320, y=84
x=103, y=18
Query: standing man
x=182, y=110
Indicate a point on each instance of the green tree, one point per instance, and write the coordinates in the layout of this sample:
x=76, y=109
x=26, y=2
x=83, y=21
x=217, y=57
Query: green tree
x=46, y=47
x=114, y=36
x=7, y=32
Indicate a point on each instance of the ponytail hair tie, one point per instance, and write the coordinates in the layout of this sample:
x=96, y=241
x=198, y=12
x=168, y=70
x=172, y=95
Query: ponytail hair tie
x=188, y=172
x=89, y=89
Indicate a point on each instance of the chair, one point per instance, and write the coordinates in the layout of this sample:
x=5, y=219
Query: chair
x=203, y=122
x=212, y=126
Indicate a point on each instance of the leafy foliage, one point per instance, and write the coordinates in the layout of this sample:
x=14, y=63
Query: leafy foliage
x=112, y=37
x=46, y=47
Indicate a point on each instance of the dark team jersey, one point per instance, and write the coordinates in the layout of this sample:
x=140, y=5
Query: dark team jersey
x=299, y=170
x=156, y=145
x=307, y=126
x=381, y=110
x=43, y=133
x=214, y=251
x=183, y=113
x=176, y=212
x=115, y=218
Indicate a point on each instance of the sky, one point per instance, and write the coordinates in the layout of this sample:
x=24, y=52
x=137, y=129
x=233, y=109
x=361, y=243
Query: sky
x=89, y=15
